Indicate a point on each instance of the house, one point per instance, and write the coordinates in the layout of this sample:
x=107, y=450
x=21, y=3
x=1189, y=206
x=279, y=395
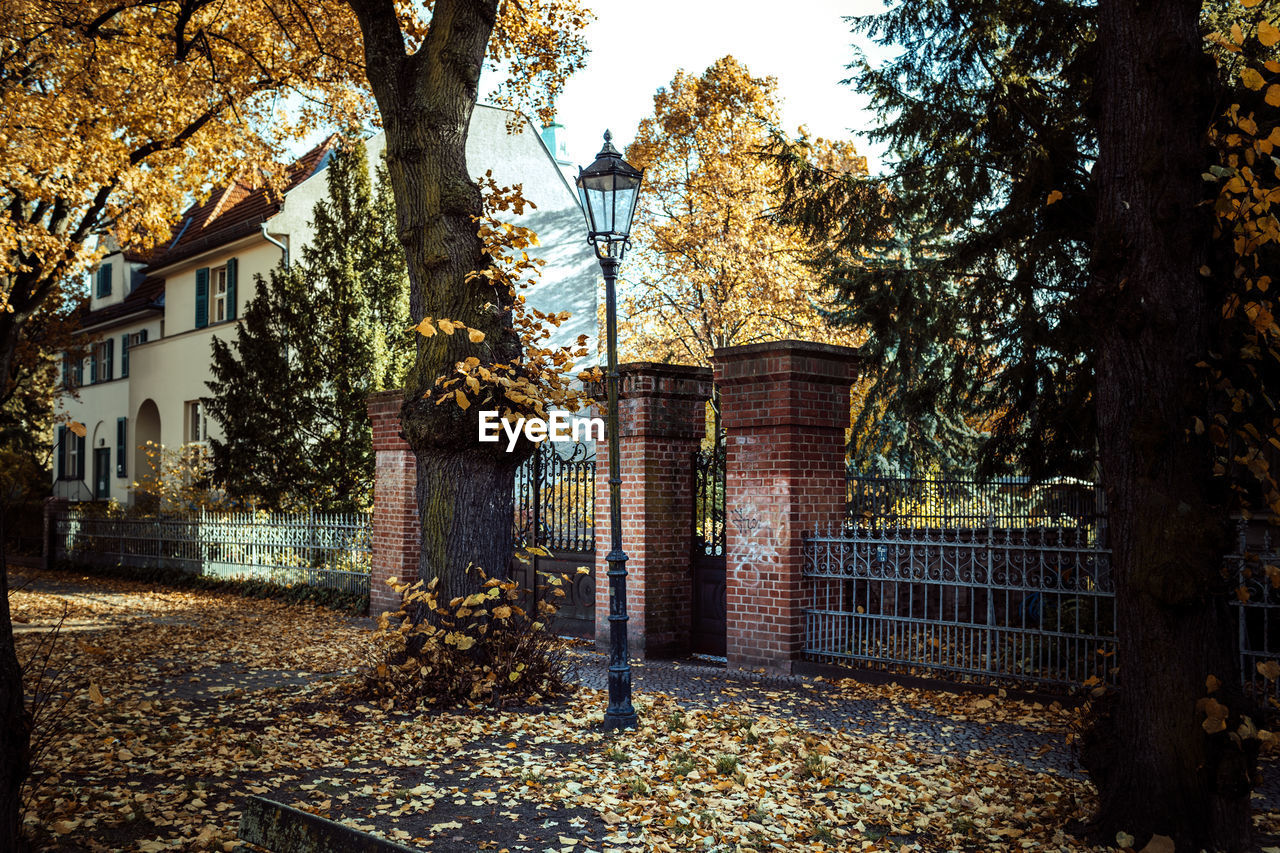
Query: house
x=151, y=318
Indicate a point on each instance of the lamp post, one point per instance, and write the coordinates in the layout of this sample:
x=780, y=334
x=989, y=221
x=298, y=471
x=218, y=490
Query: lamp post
x=608, y=189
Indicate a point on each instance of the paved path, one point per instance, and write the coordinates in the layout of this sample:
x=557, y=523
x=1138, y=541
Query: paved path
x=697, y=684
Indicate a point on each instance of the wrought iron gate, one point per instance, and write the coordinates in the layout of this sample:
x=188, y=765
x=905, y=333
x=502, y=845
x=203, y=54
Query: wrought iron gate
x=555, y=512
x=707, y=634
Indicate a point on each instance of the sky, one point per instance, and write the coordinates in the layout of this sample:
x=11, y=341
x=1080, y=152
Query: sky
x=637, y=48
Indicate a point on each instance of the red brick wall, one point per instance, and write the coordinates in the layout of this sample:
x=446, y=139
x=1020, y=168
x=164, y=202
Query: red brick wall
x=785, y=408
x=395, y=508
x=661, y=416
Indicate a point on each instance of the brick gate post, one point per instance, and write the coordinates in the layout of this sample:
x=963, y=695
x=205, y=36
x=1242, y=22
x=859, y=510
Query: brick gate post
x=662, y=418
x=785, y=408
x=396, y=532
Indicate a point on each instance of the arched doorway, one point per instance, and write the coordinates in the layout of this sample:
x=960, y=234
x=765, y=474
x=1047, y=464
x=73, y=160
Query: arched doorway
x=146, y=432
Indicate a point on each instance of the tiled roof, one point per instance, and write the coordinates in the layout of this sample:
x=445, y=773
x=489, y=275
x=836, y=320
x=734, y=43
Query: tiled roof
x=229, y=214
x=234, y=212
x=142, y=298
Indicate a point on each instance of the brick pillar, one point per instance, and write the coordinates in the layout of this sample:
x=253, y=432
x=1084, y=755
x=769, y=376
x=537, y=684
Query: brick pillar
x=396, y=532
x=785, y=408
x=662, y=418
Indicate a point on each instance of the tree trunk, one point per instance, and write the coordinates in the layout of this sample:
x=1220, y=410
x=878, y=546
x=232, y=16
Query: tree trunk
x=1156, y=769
x=15, y=725
x=426, y=99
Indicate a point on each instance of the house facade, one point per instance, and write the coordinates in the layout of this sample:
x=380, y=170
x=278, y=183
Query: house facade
x=151, y=319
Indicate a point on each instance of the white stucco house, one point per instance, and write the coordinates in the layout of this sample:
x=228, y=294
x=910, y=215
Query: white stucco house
x=151, y=318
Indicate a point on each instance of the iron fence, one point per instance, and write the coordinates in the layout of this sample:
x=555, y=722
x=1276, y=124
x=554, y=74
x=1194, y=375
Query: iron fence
x=1026, y=604
x=951, y=504
x=1256, y=566
x=330, y=550
x=709, y=501
x=555, y=498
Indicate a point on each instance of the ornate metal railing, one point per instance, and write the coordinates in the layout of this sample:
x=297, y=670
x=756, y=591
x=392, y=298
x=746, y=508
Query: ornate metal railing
x=709, y=501
x=1029, y=604
x=555, y=498
x=320, y=549
x=950, y=503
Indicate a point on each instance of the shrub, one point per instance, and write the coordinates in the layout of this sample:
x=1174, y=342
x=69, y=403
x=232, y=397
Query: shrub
x=480, y=649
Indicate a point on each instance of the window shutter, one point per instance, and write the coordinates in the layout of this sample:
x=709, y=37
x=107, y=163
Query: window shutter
x=78, y=371
x=79, y=457
x=61, y=451
x=233, y=267
x=110, y=353
x=143, y=339
x=122, y=433
x=66, y=370
x=202, y=297
x=104, y=280
x=93, y=364
x=124, y=355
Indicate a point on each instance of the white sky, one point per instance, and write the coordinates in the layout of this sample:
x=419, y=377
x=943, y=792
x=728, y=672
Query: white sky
x=637, y=48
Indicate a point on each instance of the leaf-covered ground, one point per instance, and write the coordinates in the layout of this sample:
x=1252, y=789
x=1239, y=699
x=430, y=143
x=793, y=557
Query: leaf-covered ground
x=182, y=703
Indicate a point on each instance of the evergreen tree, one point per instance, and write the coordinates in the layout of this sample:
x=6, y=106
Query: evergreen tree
x=1076, y=290
x=965, y=261
x=315, y=341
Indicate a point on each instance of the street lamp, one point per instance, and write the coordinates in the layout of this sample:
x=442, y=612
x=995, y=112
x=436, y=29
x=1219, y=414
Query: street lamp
x=608, y=189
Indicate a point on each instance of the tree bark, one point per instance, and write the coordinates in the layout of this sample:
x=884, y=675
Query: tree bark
x=15, y=724
x=1156, y=769
x=426, y=99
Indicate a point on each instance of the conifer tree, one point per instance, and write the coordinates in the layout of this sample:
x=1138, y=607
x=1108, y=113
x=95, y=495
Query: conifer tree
x=315, y=341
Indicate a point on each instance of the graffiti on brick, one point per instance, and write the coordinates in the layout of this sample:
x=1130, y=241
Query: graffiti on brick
x=760, y=535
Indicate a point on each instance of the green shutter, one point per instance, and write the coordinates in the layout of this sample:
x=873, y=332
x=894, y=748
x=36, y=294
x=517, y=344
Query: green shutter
x=111, y=359
x=202, y=297
x=79, y=457
x=124, y=355
x=233, y=267
x=93, y=364
x=104, y=280
x=60, y=449
x=122, y=433
x=66, y=371
x=78, y=370
x=143, y=339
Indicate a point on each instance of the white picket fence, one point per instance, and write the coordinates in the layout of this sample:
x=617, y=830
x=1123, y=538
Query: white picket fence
x=329, y=550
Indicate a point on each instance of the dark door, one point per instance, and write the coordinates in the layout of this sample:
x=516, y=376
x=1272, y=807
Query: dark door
x=101, y=473
x=707, y=633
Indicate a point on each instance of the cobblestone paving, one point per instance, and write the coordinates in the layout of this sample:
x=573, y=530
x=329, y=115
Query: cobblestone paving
x=822, y=706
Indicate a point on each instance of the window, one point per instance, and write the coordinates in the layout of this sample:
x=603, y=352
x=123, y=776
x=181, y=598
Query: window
x=216, y=293
x=219, y=295
x=104, y=280
x=70, y=453
x=197, y=423
x=128, y=342
x=101, y=361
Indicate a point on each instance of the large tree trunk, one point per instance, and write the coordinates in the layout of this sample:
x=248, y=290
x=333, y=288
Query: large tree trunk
x=15, y=725
x=464, y=487
x=1156, y=769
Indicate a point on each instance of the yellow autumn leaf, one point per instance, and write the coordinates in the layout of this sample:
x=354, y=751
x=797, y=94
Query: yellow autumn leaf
x=1054, y=197
x=1273, y=95
x=95, y=695
x=502, y=612
x=425, y=328
x=1269, y=669
x=475, y=335
x=1212, y=684
x=461, y=399
x=447, y=326
x=1252, y=79
x=1268, y=34
x=465, y=643
x=77, y=428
